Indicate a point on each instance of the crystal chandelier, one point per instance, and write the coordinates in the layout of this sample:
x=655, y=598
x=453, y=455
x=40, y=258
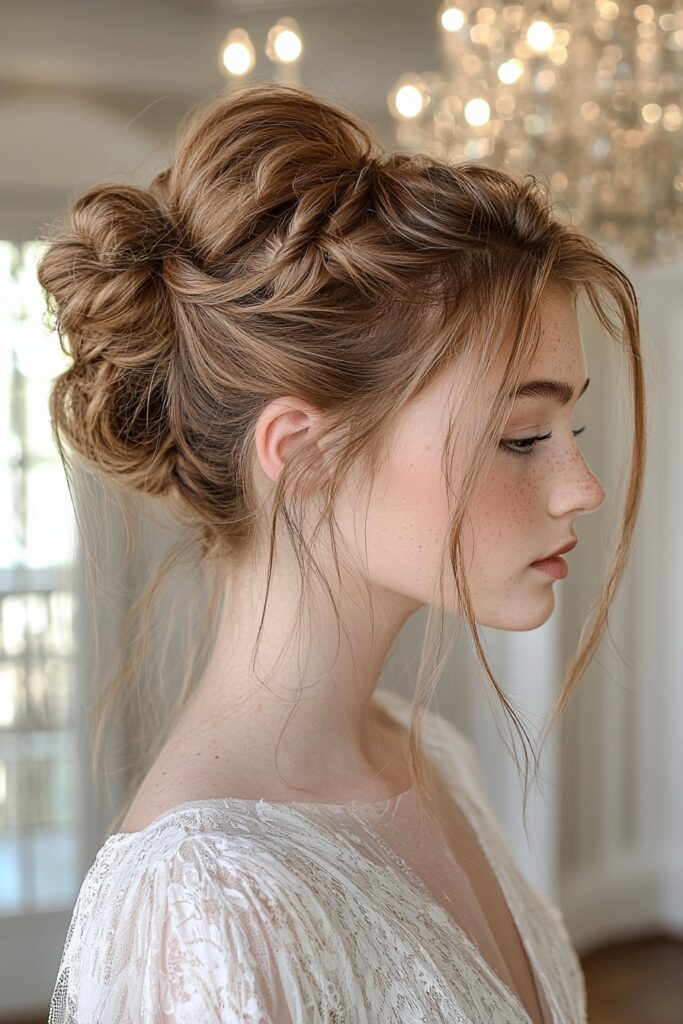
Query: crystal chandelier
x=586, y=96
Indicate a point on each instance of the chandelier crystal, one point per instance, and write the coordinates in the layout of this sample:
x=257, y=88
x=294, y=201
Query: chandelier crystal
x=587, y=96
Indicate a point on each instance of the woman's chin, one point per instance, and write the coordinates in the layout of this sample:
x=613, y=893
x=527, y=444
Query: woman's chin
x=523, y=615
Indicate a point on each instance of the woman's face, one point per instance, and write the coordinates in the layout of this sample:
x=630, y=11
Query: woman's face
x=524, y=510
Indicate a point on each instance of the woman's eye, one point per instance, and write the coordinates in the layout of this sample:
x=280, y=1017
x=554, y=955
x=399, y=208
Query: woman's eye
x=527, y=444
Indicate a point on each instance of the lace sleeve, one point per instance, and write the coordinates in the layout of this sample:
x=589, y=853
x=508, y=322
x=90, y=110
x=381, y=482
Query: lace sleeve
x=179, y=939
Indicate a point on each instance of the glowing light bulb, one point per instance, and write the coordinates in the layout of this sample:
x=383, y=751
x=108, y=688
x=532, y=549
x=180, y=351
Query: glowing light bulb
x=284, y=44
x=452, y=19
x=652, y=113
x=510, y=71
x=540, y=36
x=477, y=112
x=237, y=55
x=409, y=101
x=287, y=45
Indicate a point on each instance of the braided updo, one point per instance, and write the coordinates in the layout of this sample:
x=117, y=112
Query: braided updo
x=190, y=304
x=105, y=277
x=281, y=253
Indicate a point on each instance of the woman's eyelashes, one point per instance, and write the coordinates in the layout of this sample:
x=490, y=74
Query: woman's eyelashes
x=528, y=444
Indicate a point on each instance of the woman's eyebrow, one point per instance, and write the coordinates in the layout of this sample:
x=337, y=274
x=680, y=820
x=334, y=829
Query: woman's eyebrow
x=559, y=390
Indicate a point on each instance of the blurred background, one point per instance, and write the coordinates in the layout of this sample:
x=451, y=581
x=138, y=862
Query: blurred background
x=586, y=96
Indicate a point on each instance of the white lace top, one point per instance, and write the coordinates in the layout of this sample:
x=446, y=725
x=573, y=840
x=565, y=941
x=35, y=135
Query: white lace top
x=231, y=910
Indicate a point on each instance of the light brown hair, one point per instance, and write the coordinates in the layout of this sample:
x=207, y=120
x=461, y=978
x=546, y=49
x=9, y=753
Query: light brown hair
x=283, y=253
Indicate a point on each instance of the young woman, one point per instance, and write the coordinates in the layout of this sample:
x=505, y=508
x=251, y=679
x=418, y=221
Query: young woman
x=353, y=377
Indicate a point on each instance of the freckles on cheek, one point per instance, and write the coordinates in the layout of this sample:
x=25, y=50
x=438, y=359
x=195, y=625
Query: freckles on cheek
x=500, y=527
x=412, y=497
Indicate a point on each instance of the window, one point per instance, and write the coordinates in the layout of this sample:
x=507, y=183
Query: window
x=39, y=855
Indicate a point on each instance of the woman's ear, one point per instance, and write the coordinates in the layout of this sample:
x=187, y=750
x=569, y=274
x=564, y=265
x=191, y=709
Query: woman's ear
x=285, y=425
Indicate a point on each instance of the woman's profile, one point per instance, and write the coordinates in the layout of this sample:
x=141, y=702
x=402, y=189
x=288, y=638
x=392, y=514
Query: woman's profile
x=351, y=375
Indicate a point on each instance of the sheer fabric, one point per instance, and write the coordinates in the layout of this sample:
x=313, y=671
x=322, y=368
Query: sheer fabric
x=230, y=910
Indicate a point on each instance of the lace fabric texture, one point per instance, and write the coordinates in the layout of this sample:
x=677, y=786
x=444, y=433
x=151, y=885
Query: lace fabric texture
x=229, y=910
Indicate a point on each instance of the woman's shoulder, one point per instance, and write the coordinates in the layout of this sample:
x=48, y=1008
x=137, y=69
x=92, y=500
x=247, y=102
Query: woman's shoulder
x=165, y=926
x=177, y=850
x=218, y=834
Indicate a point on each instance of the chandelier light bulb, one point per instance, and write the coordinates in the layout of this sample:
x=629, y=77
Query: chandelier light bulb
x=540, y=36
x=651, y=112
x=283, y=44
x=452, y=18
x=510, y=71
x=409, y=101
x=409, y=97
x=237, y=54
x=287, y=45
x=477, y=112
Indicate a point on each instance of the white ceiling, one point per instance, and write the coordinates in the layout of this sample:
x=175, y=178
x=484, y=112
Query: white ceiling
x=352, y=48
x=94, y=88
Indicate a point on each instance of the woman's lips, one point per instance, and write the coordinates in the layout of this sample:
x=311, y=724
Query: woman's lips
x=559, y=551
x=555, y=567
